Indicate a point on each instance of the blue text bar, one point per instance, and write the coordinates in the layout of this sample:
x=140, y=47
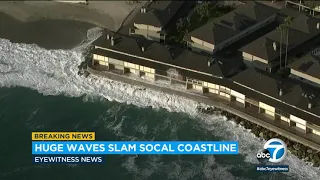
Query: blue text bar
x=135, y=147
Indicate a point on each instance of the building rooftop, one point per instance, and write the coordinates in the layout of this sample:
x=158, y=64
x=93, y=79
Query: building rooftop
x=294, y=92
x=213, y=33
x=263, y=47
x=232, y=23
x=306, y=24
x=190, y=64
x=169, y=55
x=158, y=13
x=302, y=29
x=284, y=12
x=308, y=64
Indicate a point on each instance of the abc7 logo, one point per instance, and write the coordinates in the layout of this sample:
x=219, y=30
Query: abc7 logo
x=274, y=151
x=263, y=155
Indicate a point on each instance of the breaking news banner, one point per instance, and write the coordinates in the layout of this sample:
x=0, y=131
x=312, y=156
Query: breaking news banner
x=63, y=136
x=80, y=147
x=135, y=147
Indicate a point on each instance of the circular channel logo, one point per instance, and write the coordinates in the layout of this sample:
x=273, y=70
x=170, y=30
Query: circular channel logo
x=274, y=150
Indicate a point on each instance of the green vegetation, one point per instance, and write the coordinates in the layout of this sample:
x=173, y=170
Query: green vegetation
x=283, y=72
x=312, y=5
x=203, y=13
x=179, y=31
x=284, y=29
x=206, y=12
x=287, y=22
x=281, y=28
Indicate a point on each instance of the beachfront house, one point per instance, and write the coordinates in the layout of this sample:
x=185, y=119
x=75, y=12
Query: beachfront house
x=153, y=19
x=155, y=61
x=234, y=26
x=307, y=68
x=281, y=100
x=264, y=52
x=272, y=99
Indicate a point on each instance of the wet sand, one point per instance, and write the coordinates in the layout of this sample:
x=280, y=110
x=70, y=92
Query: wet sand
x=49, y=34
x=108, y=14
x=53, y=25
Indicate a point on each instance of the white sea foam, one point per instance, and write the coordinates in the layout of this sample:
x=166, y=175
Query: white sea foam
x=55, y=72
x=208, y=168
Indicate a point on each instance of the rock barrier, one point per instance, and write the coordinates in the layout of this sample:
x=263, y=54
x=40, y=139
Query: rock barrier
x=297, y=149
x=83, y=65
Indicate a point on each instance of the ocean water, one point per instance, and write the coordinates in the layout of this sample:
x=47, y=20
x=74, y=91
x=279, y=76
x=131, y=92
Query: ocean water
x=42, y=91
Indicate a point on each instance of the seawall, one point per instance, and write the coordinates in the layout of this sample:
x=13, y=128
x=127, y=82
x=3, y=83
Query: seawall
x=294, y=147
x=300, y=147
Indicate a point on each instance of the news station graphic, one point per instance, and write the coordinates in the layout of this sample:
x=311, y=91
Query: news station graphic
x=68, y=159
x=273, y=168
x=80, y=147
x=63, y=136
x=62, y=158
x=274, y=151
x=135, y=147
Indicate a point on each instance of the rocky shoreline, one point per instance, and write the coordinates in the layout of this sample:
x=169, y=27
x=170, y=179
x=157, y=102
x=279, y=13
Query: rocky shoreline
x=83, y=65
x=297, y=149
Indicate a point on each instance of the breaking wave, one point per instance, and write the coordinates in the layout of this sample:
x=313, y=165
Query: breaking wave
x=55, y=72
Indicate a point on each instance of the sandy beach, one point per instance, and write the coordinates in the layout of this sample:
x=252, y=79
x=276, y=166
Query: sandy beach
x=50, y=34
x=55, y=25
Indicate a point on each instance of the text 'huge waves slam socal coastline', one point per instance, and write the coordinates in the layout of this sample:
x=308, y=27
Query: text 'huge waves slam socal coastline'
x=41, y=91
